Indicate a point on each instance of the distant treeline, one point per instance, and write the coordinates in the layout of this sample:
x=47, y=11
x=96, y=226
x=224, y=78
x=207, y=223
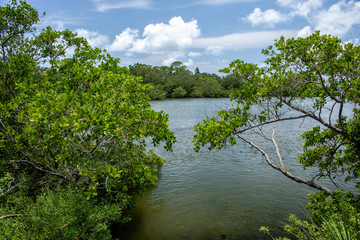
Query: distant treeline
x=177, y=81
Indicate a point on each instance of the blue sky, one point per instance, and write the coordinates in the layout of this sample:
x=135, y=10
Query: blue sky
x=208, y=34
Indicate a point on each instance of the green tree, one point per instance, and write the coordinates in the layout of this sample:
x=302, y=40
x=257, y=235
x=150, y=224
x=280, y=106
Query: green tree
x=312, y=77
x=207, y=87
x=197, y=71
x=230, y=83
x=320, y=69
x=178, y=92
x=80, y=123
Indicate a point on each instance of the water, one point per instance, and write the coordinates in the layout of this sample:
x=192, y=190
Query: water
x=228, y=192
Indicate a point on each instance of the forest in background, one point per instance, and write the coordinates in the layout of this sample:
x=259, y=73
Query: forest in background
x=177, y=81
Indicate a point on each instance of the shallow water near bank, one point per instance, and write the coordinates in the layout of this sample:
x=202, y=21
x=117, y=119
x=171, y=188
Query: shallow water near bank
x=213, y=194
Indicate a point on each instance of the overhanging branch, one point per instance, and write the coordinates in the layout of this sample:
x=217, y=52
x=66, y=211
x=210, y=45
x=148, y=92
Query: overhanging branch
x=310, y=183
x=270, y=122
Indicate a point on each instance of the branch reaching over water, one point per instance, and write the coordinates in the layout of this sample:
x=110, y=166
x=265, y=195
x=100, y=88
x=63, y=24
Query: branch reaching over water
x=282, y=169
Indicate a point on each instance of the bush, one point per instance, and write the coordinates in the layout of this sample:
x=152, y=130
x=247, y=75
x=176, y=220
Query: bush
x=62, y=214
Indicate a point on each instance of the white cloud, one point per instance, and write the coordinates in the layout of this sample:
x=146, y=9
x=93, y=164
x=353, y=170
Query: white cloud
x=269, y=17
x=165, y=42
x=194, y=54
x=105, y=5
x=214, y=3
x=189, y=63
x=220, y=2
x=243, y=40
x=124, y=40
x=214, y=50
x=160, y=38
x=168, y=61
x=304, y=32
x=94, y=38
x=175, y=38
x=301, y=7
x=339, y=18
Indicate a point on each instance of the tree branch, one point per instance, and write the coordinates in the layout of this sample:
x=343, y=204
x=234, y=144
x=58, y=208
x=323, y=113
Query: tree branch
x=11, y=216
x=271, y=121
x=9, y=190
x=282, y=167
x=319, y=119
x=310, y=183
x=40, y=169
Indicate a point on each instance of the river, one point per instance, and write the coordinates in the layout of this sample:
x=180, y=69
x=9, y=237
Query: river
x=213, y=194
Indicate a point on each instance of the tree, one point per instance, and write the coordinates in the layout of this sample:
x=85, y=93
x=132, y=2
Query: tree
x=230, y=83
x=197, y=71
x=178, y=92
x=75, y=124
x=207, y=87
x=319, y=68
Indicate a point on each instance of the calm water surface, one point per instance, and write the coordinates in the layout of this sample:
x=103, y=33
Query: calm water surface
x=228, y=192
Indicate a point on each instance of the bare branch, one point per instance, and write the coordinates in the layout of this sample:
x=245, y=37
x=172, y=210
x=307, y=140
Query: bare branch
x=267, y=158
x=310, y=183
x=282, y=167
x=271, y=121
x=318, y=119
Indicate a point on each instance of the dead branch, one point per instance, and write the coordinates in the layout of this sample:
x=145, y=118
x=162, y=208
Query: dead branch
x=310, y=183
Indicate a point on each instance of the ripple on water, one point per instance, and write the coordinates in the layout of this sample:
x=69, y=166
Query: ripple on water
x=207, y=194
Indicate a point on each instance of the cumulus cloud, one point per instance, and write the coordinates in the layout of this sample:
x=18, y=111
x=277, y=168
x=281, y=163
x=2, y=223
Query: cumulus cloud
x=124, y=40
x=269, y=17
x=189, y=63
x=172, y=38
x=105, y=5
x=94, y=38
x=305, y=31
x=339, y=18
x=168, y=61
x=301, y=8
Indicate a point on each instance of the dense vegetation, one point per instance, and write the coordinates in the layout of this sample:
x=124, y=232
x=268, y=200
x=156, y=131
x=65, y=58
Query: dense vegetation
x=73, y=132
x=177, y=81
x=74, y=127
x=325, y=71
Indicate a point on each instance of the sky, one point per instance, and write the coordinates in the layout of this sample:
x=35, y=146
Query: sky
x=208, y=34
